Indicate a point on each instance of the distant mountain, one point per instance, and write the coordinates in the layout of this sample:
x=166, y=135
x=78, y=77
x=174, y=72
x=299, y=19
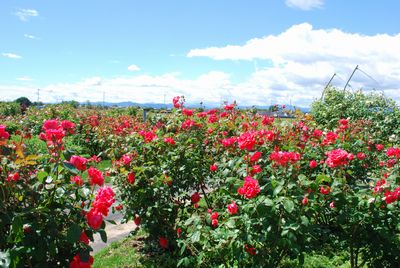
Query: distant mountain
x=207, y=105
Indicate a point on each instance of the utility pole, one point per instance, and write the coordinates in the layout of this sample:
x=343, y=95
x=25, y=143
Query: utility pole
x=104, y=98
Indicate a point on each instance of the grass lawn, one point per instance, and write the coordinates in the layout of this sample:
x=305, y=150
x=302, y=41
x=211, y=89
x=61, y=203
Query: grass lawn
x=131, y=252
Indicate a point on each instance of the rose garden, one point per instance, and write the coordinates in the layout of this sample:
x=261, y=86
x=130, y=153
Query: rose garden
x=223, y=187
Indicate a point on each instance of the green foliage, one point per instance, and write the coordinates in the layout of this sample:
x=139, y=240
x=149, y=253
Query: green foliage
x=379, y=111
x=9, y=109
x=23, y=101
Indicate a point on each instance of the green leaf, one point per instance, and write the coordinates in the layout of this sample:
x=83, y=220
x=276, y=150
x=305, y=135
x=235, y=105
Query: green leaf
x=268, y=202
x=103, y=236
x=195, y=237
x=74, y=232
x=304, y=220
x=323, y=178
x=71, y=168
x=288, y=205
x=230, y=224
x=41, y=175
x=278, y=189
x=5, y=259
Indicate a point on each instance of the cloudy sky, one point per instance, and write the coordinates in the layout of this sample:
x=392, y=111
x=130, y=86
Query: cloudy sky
x=257, y=52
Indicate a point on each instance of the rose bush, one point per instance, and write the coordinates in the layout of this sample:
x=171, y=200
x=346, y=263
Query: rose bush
x=296, y=188
x=48, y=212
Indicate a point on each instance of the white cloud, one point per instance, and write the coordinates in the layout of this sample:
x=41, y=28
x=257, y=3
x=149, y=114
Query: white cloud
x=29, y=36
x=304, y=4
x=299, y=61
x=26, y=14
x=11, y=56
x=24, y=78
x=302, y=60
x=133, y=68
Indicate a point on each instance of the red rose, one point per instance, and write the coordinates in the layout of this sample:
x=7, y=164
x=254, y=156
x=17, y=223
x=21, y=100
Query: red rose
x=126, y=159
x=3, y=133
x=304, y=201
x=250, y=250
x=232, y=208
x=163, y=242
x=338, y=157
x=313, y=164
x=256, y=156
x=77, y=263
x=325, y=189
x=79, y=162
x=213, y=168
x=361, y=156
x=96, y=176
x=169, y=140
x=131, y=178
x=379, y=147
x=83, y=238
x=250, y=188
x=137, y=220
x=195, y=198
x=176, y=103
x=94, y=218
x=77, y=180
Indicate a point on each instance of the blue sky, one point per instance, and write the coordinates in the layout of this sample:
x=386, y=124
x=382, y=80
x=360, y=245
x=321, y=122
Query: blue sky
x=255, y=52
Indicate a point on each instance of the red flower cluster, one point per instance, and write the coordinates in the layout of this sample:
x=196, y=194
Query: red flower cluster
x=68, y=126
x=325, y=190
x=187, y=112
x=379, y=186
x=79, y=162
x=391, y=197
x=100, y=206
x=3, y=133
x=250, y=250
x=176, y=103
x=330, y=138
x=228, y=142
x=338, y=157
x=283, y=158
x=13, y=177
x=125, y=159
x=169, y=140
x=188, y=124
x=392, y=151
x=96, y=176
x=148, y=136
x=255, y=156
x=229, y=107
x=54, y=131
x=77, y=180
x=214, y=219
x=247, y=140
x=250, y=188
x=267, y=120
